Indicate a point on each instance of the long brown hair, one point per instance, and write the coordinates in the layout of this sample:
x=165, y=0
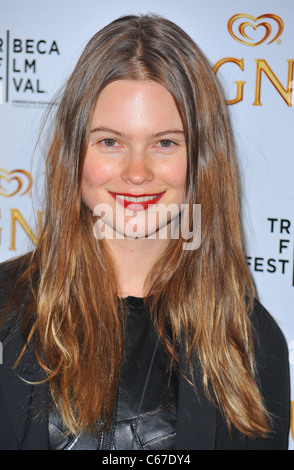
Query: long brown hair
x=205, y=295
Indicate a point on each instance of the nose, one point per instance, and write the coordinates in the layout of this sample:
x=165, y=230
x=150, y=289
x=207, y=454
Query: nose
x=137, y=169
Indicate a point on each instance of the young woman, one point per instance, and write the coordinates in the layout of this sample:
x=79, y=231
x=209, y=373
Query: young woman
x=128, y=334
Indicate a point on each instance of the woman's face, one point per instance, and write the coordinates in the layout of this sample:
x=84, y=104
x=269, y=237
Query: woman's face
x=136, y=160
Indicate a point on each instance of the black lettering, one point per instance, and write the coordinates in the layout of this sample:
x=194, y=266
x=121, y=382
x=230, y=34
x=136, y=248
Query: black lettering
x=248, y=258
x=283, y=261
x=29, y=46
x=38, y=89
x=258, y=264
x=54, y=48
x=271, y=265
x=272, y=223
x=38, y=46
x=1, y=44
x=282, y=245
x=29, y=65
x=14, y=66
x=17, y=85
x=17, y=45
x=28, y=86
x=285, y=224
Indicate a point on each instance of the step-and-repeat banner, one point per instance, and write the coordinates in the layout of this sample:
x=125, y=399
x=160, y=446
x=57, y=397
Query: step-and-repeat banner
x=250, y=45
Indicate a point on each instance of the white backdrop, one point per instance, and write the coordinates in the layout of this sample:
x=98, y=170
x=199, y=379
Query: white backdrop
x=250, y=43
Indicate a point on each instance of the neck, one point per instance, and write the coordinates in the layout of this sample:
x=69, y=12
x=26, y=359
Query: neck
x=133, y=260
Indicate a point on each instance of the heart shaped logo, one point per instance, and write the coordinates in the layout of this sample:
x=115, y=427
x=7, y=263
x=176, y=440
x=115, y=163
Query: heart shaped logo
x=15, y=181
x=252, y=31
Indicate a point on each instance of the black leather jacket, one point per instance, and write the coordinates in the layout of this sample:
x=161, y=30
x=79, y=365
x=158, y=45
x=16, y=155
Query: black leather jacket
x=144, y=416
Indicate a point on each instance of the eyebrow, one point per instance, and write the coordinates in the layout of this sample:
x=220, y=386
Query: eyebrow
x=121, y=134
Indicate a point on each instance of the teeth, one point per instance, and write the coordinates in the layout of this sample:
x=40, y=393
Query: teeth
x=137, y=199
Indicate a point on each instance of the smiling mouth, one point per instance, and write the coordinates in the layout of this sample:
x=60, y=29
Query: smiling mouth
x=142, y=202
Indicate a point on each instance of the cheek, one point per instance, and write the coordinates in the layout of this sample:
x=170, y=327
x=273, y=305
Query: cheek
x=176, y=175
x=95, y=176
x=181, y=177
x=96, y=173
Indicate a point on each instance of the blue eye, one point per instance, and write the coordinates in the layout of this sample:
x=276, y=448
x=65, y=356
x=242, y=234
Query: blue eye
x=166, y=143
x=109, y=142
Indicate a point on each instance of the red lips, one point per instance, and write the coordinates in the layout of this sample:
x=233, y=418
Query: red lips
x=137, y=204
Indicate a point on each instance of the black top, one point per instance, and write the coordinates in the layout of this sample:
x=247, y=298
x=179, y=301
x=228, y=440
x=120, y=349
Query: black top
x=24, y=398
x=144, y=416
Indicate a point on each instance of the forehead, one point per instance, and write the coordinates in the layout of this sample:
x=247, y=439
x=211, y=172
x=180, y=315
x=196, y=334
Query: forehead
x=136, y=104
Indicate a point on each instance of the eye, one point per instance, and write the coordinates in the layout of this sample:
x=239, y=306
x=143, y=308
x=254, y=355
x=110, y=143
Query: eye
x=109, y=142
x=165, y=143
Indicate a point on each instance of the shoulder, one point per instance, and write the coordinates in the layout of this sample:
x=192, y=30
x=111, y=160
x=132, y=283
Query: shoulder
x=11, y=270
x=272, y=375
x=10, y=296
x=271, y=350
x=268, y=337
